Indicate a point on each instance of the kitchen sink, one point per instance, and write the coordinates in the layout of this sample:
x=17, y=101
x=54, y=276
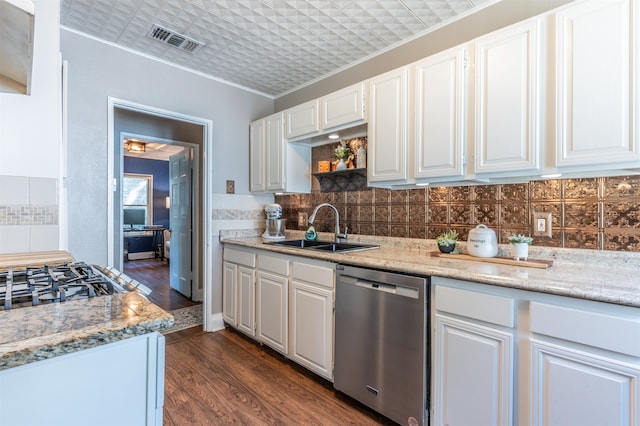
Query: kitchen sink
x=299, y=243
x=326, y=246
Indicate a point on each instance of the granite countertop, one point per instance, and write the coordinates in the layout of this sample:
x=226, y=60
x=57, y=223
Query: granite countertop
x=46, y=331
x=603, y=276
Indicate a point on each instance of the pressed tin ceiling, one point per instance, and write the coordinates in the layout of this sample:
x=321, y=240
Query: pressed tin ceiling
x=270, y=46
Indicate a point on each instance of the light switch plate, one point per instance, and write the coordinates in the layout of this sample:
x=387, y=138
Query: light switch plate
x=541, y=224
x=302, y=219
x=231, y=187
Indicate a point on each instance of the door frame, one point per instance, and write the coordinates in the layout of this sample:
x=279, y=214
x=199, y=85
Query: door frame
x=206, y=243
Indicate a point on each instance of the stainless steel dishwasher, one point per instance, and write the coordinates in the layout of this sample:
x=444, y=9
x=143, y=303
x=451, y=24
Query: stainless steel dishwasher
x=381, y=329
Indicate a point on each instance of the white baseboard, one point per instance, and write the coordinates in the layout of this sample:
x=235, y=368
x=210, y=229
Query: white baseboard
x=214, y=323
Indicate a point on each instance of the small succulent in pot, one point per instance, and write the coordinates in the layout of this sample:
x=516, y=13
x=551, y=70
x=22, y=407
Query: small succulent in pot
x=447, y=241
x=520, y=239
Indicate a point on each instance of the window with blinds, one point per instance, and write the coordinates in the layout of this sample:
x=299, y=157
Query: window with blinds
x=137, y=200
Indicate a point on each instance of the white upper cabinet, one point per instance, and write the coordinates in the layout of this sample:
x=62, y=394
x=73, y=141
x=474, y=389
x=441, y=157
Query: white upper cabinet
x=257, y=162
x=508, y=129
x=275, y=155
x=388, y=124
x=440, y=115
x=274, y=164
x=598, y=87
x=344, y=107
x=303, y=120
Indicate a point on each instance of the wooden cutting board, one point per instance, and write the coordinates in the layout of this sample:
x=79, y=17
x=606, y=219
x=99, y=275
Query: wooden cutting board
x=35, y=259
x=529, y=263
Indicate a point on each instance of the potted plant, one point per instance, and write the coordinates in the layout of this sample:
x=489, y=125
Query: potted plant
x=447, y=241
x=520, y=243
x=342, y=152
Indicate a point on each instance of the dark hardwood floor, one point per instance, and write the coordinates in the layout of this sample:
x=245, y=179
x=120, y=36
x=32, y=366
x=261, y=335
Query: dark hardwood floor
x=224, y=378
x=154, y=273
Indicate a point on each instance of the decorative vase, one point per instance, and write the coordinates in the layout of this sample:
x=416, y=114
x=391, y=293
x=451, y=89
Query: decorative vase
x=341, y=165
x=446, y=249
x=520, y=251
x=361, y=158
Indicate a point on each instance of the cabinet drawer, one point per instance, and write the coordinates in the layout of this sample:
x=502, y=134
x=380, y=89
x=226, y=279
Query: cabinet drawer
x=481, y=306
x=239, y=257
x=598, y=329
x=272, y=264
x=314, y=274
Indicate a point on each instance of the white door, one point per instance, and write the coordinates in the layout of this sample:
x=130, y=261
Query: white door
x=180, y=180
x=597, y=91
x=440, y=117
x=272, y=310
x=388, y=138
x=473, y=365
x=507, y=120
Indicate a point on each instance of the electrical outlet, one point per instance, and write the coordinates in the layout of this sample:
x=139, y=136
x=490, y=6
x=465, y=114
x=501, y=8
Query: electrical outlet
x=302, y=219
x=231, y=187
x=541, y=224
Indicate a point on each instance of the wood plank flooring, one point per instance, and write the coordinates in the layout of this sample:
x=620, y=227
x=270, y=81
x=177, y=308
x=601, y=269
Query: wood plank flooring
x=225, y=378
x=154, y=273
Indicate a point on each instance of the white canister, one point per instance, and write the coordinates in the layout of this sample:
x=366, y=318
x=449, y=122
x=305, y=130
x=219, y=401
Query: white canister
x=482, y=242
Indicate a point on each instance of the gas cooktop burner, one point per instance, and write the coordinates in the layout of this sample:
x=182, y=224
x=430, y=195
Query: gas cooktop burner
x=51, y=284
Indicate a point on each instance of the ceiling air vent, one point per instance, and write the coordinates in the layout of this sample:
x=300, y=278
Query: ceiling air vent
x=181, y=41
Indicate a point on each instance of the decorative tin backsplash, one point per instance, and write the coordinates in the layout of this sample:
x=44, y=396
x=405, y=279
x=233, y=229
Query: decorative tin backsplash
x=595, y=213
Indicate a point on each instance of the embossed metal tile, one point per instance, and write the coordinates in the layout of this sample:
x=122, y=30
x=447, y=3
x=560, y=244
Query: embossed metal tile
x=271, y=46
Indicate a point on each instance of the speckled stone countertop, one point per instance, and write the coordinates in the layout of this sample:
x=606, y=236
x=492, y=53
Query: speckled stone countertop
x=603, y=276
x=46, y=331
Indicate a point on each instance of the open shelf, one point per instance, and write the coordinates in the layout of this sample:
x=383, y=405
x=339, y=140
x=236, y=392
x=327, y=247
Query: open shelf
x=342, y=180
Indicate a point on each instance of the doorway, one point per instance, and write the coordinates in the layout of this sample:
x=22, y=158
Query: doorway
x=159, y=193
x=169, y=126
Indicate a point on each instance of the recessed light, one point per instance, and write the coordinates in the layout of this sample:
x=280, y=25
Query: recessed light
x=334, y=136
x=551, y=176
x=422, y=184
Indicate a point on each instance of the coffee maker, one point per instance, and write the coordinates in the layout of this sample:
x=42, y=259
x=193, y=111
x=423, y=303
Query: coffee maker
x=275, y=224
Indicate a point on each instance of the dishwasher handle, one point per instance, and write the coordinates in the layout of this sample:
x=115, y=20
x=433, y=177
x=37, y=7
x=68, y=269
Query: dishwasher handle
x=396, y=289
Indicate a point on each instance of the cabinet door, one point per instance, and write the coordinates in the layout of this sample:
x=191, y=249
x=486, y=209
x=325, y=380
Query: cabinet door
x=229, y=293
x=246, y=300
x=271, y=310
x=275, y=155
x=303, y=119
x=598, y=83
x=312, y=328
x=388, y=139
x=257, y=171
x=473, y=368
x=573, y=387
x=507, y=118
x=343, y=107
x=440, y=117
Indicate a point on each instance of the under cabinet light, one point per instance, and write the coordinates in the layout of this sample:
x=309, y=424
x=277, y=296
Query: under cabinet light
x=334, y=136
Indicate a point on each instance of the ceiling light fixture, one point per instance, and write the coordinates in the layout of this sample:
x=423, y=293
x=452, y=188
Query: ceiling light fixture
x=135, y=146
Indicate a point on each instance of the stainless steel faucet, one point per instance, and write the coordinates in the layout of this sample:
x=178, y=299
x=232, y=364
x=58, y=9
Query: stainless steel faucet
x=338, y=235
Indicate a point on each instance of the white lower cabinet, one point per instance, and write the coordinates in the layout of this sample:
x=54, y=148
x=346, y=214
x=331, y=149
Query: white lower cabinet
x=238, y=289
x=473, y=357
x=585, y=365
x=311, y=316
x=272, y=298
x=284, y=302
x=119, y=383
x=503, y=356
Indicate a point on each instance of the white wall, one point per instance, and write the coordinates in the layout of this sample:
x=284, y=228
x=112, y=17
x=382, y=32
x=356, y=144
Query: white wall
x=30, y=146
x=97, y=71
